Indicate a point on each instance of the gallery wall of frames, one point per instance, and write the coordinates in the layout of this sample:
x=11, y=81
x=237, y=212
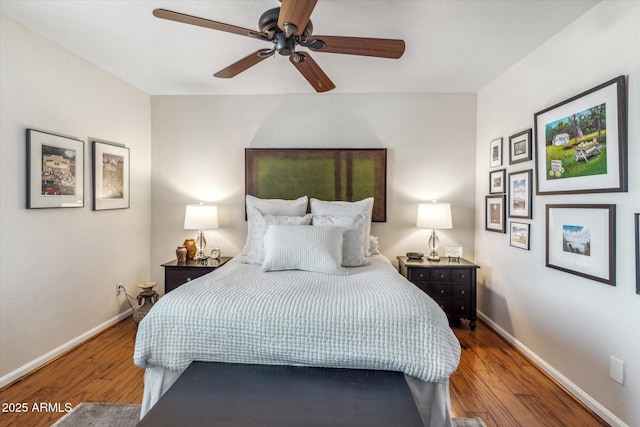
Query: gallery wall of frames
x=578, y=146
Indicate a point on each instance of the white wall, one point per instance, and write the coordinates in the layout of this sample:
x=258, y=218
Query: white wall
x=573, y=324
x=58, y=267
x=198, y=155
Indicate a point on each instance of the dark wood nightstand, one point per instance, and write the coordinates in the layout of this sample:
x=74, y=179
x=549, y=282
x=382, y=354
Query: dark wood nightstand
x=451, y=284
x=178, y=273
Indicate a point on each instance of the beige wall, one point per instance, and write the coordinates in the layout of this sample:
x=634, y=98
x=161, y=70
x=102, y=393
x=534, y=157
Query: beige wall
x=569, y=324
x=59, y=267
x=198, y=155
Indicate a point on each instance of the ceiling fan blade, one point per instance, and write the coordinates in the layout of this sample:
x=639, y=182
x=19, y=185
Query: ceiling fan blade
x=244, y=64
x=382, y=48
x=296, y=12
x=207, y=23
x=311, y=71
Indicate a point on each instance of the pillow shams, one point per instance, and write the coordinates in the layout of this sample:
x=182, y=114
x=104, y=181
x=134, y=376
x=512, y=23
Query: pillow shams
x=317, y=249
x=321, y=207
x=261, y=222
x=353, y=249
x=297, y=207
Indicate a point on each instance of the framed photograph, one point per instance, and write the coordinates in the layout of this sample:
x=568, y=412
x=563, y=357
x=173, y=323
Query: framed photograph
x=496, y=181
x=325, y=174
x=495, y=153
x=519, y=233
x=520, y=199
x=110, y=176
x=581, y=240
x=637, y=216
x=495, y=209
x=581, y=143
x=520, y=147
x=55, y=171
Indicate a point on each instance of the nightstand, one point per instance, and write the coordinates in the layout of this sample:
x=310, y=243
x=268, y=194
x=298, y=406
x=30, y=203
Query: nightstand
x=178, y=273
x=451, y=284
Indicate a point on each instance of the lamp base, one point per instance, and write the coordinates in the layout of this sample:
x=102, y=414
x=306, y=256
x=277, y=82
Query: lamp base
x=434, y=243
x=433, y=256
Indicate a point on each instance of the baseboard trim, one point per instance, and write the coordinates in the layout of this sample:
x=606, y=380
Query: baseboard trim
x=576, y=391
x=46, y=358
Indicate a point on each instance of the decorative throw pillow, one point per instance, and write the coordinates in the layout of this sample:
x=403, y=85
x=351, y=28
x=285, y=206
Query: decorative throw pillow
x=373, y=245
x=261, y=222
x=297, y=207
x=321, y=207
x=353, y=253
x=306, y=248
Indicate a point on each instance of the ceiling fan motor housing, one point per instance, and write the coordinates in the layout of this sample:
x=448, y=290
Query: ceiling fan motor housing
x=268, y=23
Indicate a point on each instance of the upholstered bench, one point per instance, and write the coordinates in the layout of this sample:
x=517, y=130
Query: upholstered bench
x=238, y=395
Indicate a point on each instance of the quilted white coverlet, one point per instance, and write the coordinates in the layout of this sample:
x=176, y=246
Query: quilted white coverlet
x=372, y=318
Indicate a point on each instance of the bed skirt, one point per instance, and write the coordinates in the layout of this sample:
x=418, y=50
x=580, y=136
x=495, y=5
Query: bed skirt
x=432, y=399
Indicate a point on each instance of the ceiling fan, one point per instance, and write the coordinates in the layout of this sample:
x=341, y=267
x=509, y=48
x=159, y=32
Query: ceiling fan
x=288, y=27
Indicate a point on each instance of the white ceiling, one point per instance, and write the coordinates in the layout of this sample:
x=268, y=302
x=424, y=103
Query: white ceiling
x=452, y=46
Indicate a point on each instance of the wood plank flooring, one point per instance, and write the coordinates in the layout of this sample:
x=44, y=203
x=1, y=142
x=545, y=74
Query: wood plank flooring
x=494, y=382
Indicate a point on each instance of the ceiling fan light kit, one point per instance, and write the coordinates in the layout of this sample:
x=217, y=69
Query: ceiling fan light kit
x=288, y=27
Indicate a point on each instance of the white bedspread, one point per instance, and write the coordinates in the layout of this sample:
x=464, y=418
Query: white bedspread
x=372, y=318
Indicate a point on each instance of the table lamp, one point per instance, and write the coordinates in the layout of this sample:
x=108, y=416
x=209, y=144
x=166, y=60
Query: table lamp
x=434, y=216
x=201, y=217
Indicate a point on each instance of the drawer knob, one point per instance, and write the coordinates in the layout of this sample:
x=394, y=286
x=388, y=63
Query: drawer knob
x=441, y=276
x=442, y=291
x=188, y=279
x=461, y=292
x=462, y=307
x=421, y=275
x=462, y=276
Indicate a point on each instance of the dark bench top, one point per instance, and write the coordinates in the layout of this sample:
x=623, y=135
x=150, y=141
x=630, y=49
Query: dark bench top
x=238, y=395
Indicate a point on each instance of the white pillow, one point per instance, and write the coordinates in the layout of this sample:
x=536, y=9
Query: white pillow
x=303, y=247
x=261, y=222
x=373, y=245
x=321, y=207
x=297, y=207
x=353, y=250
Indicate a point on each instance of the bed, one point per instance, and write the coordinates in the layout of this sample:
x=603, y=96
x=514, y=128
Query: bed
x=308, y=290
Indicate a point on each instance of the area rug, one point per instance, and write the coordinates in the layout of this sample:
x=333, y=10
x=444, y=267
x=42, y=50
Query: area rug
x=115, y=415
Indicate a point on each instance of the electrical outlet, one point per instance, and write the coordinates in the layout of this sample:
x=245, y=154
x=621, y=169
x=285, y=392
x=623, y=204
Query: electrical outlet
x=616, y=369
x=118, y=288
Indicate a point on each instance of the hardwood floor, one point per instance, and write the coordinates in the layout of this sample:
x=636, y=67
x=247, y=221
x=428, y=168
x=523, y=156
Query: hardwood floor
x=493, y=382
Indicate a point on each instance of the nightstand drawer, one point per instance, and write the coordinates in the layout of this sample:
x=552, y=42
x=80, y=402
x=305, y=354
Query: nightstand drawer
x=441, y=291
x=461, y=275
x=440, y=275
x=178, y=275
x=462, y=291
x=417, y=275
x=460, y=307
x=444, y=305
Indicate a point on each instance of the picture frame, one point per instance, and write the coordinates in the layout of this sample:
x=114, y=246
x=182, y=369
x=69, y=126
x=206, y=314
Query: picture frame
x=55, y=170
x=495, y=213
x=581, y=240
x=110, y=175
x=520, y=189
x=520, y=147
x=497, y=181
x=519, y=234
x=637, y=219
x=495, y=153
x=581, y=143
x=326, y=174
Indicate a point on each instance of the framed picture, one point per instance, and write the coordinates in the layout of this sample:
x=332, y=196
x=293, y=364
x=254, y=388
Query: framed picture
x=496, y=181
x=581, y=240
x=520, y=147
x=581, y=143
x=55, y=171
x=495, y=153
x=520, y=194
x=110, y=175
x=519, y=233
x=495, y=213
x=637, y=216
x=325, y=174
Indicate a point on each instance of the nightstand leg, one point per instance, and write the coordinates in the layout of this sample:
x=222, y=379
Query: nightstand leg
x=472, y=324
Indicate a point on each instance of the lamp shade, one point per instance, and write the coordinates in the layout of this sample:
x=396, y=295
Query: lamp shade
x=434, y=216
x=201, y=217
